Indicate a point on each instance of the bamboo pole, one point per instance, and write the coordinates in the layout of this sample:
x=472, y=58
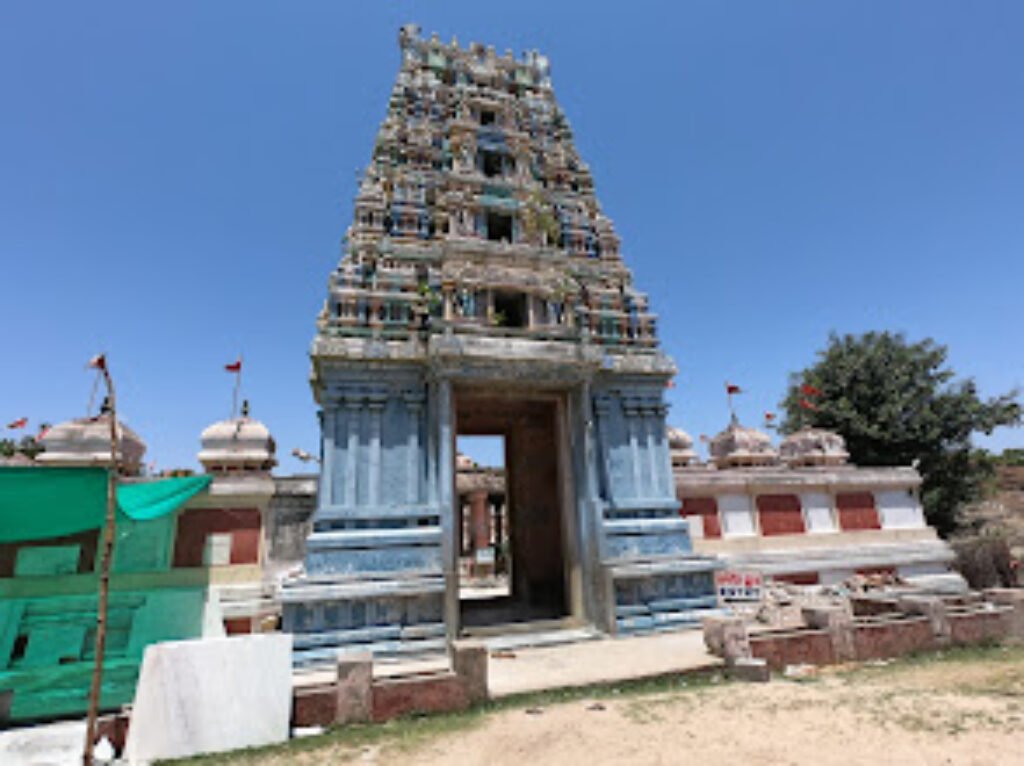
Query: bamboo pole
x=108, y=549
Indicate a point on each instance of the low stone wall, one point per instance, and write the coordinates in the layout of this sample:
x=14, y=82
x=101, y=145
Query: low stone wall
x=978, y=627
x=355, y=696
x=896, y=627
x=891, y=637
x=793, y=647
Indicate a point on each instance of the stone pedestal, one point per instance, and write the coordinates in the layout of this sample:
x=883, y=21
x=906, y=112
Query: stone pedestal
x=355, y=688
x=839, y=624
x=727, y=637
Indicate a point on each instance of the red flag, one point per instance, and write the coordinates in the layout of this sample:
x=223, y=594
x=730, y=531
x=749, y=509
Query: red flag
x=235, y=366
x=42, y=433
x=808, y=405
x=670, y=383
x=731, y=388
x=98, y=362
x=809, y=390
x=705, y=438
x=19, y=423
x=769, y=416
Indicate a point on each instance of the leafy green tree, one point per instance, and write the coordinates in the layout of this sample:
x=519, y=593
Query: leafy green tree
x=897, y=403
x=27, y=446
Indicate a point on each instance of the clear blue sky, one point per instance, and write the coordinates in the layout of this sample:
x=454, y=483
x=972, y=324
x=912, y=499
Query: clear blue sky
x=175, y=179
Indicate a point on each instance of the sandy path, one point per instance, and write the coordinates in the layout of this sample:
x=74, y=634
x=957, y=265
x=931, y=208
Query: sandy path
x=944, y=713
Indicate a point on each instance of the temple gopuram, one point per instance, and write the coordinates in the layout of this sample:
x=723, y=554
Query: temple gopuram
x=482, y=291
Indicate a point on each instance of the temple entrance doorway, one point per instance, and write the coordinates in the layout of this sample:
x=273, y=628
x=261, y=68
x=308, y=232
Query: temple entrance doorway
x=516, y=566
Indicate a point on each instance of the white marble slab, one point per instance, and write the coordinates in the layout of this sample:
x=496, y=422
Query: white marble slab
x=211, y=695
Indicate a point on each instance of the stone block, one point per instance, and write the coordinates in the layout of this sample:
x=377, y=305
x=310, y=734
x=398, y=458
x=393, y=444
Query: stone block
x=935, y=610
x=795, y=647
x=885, y=638
x=469, y=660
x=751, y=669
x=1013, y=598
x=726, y=637
x=838, y=622
x=354, y=688
x=436, y=693
x=977, y=626
x=210, y=696
x=315, y=705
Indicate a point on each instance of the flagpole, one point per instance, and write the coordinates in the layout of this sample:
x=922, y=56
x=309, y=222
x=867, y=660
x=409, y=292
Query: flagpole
x=108, y=549
x=238, y=386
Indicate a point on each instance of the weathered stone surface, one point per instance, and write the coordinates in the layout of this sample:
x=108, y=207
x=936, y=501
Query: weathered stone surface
x=934, y=609
x=315, y=705
x=1013, y=598
x=752, y=669
x=727, y=637
x=420, y=694
x=839, y=624
x=355, y=688
x=210, y=696
x=469, y=661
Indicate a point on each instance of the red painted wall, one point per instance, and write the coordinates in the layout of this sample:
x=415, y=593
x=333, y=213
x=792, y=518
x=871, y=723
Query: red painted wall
x=798, y=578
x=706, y=507
x=237, y=626
x=857, y=511
x=780, y=515
x=87, y=542
x=195, y=524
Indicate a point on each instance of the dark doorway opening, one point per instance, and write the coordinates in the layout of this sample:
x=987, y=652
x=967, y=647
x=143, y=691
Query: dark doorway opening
x=533, y=551
x=510, y=309
x=499, y=227
x=492, y=164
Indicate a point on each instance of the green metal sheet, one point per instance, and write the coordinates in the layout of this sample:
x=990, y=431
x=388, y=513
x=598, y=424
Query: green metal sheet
x=43, y=502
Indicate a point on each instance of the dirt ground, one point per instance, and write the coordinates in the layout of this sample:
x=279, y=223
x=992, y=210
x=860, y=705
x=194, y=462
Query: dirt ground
x=967, y=708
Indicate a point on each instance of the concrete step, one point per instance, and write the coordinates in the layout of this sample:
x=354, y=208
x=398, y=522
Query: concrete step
x=524, y=640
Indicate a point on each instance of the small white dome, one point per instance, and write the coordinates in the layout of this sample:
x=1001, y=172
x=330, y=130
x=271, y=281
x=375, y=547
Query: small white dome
x=240, y=444
x=814, y=446
x=464, y=462
x=86, y=441
x=680, y=446
x=741, y=446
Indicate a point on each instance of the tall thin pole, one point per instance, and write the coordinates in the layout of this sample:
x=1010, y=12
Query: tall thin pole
x=238, y=386
x=108, y=549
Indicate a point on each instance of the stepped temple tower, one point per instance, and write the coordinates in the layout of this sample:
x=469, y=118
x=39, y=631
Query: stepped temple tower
x=482, y=292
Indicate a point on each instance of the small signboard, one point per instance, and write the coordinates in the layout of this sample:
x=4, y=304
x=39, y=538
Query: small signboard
x=736, y=585
x=485, y=555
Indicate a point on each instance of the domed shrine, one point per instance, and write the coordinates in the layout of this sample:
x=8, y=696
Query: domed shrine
x=738, y=446
x=813, y=446
x=86, y=442
x=680, y=446
x=238, y=444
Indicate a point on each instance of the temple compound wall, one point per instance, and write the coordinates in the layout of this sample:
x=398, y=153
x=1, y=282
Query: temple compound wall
x=481, y=291
x=802, y=514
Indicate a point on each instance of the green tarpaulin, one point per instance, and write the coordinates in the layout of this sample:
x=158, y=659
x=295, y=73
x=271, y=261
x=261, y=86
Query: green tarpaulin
x=41, y=502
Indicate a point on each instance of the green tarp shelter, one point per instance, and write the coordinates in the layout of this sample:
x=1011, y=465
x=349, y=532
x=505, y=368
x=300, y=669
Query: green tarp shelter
x=41, y=502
